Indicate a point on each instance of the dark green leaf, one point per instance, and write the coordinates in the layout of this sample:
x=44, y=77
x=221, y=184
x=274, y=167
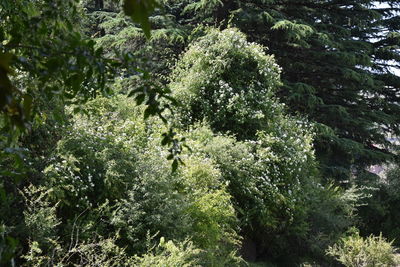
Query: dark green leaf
x=139, y=11
x=174, y=165
x=140, y=98
x=27, y=104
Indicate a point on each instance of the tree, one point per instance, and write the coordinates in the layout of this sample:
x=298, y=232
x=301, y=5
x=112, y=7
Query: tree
x=46, y=61
x=337, y=60
x=43, y=41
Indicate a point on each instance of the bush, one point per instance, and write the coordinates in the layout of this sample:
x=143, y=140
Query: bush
x=355, y=251
x=269, y=161
x=95, y=252
x=110, y=177
x=265, y=156
x=168, y=253
x=381, y=214
x=269, y=180
x=228, y=81
x=331, y=211
x=192, y=203
x=40, y=215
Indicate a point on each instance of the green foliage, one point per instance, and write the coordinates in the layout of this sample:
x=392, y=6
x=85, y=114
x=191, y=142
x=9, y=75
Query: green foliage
x=167, y=253
x=40, y=216
x=228, y=81
x=273, y=176
x=272, y=173
x=109, y=166
x=94, y=162
x=69, y=67
x=381, y=212
x=295, y=32
x=338, y=63
x=72, y=68
x=8, y=245
x=333, y=71
x=331, y=211
x=41, y=223
x=277, y=197
x=100, y=192
x=61, y=68
x=102, y=252
x=140, y=11
x=355, y=250
x=202, y=8
x=268, y=195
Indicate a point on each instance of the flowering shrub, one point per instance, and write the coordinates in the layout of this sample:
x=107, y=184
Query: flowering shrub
x=228, y=81
x=109, y=176
x=269, y=179
x=269, y=162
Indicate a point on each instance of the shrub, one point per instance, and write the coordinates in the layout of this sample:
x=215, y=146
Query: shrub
x=228, y=81
x=269, y=161
x=110, y=177
x=168, y=253
x=96, y=252
x=331, y=211
x=192, y=203
x=269, y=180
x=40, y=215
x=265, y=156
x=355, y=251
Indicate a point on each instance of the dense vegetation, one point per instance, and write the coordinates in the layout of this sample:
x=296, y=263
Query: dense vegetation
x=199, y=133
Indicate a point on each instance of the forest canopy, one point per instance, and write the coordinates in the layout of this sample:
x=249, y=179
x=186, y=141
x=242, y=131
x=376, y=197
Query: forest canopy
x=199, y=133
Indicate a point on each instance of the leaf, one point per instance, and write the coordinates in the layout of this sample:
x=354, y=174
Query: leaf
x=27, y=104
x=3, y=195
x=5, y=61
x=140, y=98
x=139, y=11
x=31, y=10
x=147, y=113
x=150, y=110
x=164, y=141
x=174, y=165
